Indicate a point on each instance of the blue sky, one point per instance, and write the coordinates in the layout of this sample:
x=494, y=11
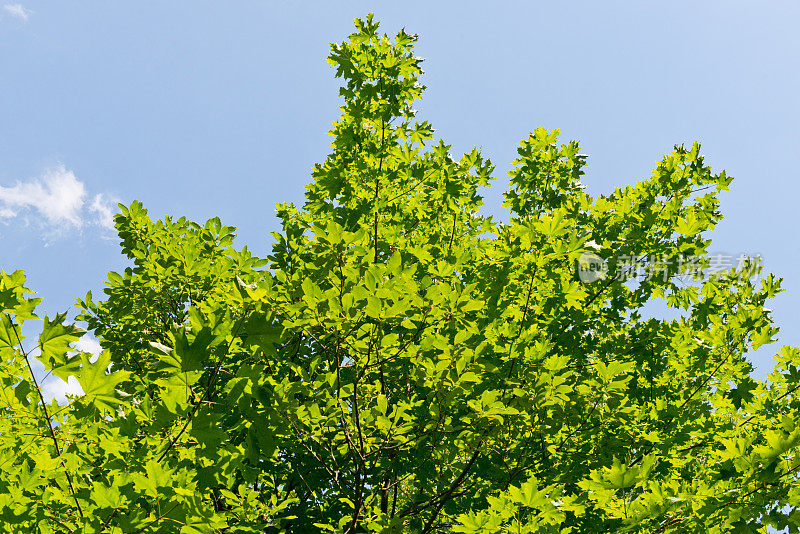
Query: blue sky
x=221, y=108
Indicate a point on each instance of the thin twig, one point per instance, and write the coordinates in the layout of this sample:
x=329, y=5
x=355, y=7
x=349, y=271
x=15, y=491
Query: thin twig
x=47, y=418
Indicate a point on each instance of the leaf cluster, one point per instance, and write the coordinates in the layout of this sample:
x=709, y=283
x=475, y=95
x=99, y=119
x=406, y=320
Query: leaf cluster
x=401, y=362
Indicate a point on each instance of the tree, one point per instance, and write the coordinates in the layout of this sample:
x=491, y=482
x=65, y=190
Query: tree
x=405, y=363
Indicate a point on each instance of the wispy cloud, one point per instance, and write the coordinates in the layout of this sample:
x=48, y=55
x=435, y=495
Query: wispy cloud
x=57, y=197
x=17, y=10
x=103, y=210
x=56, y=201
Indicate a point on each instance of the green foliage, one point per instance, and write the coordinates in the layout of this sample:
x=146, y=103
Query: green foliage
x=405, y=363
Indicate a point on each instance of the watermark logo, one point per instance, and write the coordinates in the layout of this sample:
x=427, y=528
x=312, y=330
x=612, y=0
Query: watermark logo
x=591, y=267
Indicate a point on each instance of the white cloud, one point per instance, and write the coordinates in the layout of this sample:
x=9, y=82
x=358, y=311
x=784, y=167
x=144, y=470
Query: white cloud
x=57, y=201
x=16, y=10
x=87, y=344
x=58, y=197
x=56, y=388
x=104, y=211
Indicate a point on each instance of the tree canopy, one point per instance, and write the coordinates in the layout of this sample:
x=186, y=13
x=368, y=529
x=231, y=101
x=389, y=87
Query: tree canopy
x=402, y=362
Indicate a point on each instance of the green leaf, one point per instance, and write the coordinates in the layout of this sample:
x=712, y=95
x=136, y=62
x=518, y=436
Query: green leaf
x=54, y=344
x=107, y=497
x=98, y=384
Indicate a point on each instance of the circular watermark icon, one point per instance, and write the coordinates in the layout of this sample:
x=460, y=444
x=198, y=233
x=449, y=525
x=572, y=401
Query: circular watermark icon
x=591, y=267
